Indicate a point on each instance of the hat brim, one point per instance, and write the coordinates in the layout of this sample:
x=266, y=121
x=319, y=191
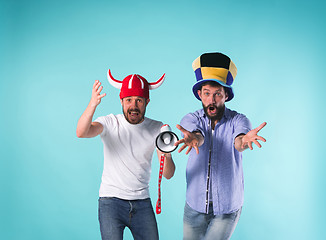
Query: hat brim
x=197, y=86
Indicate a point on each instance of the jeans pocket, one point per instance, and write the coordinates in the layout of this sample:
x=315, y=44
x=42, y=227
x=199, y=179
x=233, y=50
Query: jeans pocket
x=190, y=214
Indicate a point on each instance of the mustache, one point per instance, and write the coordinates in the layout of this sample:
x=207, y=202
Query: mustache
x=211, y=107
x=134, y=110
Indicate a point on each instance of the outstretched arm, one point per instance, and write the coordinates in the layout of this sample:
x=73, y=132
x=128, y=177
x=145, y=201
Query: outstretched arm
x=85, y=127
x=190, y=140
x=242, y=142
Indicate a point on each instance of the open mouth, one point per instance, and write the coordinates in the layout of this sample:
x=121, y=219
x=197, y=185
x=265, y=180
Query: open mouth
x=212, y=109
x=134, y=113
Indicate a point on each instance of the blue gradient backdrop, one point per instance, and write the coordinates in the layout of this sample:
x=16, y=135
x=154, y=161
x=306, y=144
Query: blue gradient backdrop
x=52, y=51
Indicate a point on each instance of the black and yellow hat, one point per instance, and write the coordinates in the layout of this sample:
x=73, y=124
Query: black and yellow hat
x=215, y=67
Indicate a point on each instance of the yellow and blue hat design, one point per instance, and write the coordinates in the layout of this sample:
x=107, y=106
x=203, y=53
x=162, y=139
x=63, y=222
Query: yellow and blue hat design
x=215, y=67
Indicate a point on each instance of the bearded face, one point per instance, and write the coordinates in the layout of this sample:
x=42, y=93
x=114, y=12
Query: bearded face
x=213, y=98
x=134, y=108
x=213, y=112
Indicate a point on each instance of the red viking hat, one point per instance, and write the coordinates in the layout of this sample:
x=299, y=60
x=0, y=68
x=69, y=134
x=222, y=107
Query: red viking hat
x=134, y=85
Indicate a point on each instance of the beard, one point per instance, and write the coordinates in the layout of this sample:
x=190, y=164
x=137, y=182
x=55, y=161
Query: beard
x=214, y=113
x=134, y=115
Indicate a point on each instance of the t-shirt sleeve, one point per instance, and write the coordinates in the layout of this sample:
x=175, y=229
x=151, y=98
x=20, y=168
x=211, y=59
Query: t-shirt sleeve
x=105, y=121
x=156, y=127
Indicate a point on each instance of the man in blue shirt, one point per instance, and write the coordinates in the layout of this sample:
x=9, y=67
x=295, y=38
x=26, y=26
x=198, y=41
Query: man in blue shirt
x=215, y=137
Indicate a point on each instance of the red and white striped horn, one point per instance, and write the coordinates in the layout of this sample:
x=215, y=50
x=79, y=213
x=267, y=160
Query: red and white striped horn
x=156, y=84
x=114, y=82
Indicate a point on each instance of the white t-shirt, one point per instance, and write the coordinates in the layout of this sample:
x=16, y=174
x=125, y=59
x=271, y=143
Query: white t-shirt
x=128, y=153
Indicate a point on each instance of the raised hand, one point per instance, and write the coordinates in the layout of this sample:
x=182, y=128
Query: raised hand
x=96, y=94
x=252, y=137
x=85, y=126
x=190, y=140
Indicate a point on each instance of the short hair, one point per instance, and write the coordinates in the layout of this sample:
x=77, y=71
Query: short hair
x=214, y=84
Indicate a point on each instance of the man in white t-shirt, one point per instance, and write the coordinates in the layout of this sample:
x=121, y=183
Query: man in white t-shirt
x=128, y=142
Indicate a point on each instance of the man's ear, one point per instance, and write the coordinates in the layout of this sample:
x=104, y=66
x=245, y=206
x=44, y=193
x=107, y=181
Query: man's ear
x=199, y=93
x=147, y=101
x=226, y=96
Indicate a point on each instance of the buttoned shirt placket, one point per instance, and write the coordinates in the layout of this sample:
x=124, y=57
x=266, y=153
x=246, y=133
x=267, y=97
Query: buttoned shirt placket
x=209, y=168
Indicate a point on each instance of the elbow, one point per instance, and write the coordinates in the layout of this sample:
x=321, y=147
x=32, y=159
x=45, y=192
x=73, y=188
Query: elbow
x=170, y=174
x=79, y=134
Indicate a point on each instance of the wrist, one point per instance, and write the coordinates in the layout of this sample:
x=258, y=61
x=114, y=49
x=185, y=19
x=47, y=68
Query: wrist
x=92, y=105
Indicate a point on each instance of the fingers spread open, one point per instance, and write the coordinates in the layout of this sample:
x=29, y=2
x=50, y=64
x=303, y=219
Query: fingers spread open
x=184, y=131
x=261, y=138
x=95, y=83
x=102, y=95
x=188, y=150
x=250, y=145
x=257, y=143
x=196, y=148
x=99, y=89
x=181, y=148
x=179, y=142
x=261, y=126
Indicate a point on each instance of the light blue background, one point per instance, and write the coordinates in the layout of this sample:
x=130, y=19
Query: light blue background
x=52, y=51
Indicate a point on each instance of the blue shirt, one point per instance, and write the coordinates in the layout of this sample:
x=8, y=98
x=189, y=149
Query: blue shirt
x=216, y=173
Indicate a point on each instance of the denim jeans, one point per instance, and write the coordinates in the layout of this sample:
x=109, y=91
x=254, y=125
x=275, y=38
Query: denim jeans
x=115, y=214
x=201, y=226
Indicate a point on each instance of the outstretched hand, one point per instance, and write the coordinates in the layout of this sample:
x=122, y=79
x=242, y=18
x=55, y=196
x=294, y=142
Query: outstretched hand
x=190, y=140
x=252, y=137
x=96, y=94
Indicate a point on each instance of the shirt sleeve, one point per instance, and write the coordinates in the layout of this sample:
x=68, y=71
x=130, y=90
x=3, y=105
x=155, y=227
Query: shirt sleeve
x=242, y=125
x=191, y=123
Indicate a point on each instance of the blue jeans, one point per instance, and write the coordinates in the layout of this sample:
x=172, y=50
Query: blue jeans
x=201, y=226
x=115, y=214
